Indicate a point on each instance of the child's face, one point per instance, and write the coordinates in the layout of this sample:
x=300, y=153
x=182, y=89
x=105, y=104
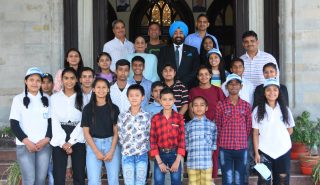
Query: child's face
x=214, y=60
x=156, y=93
x=271, y=93
x=73, y=58
x=122, y=72
x=86, y=79
x=33, y=83
x=168, y=73
x=234, y=86
x=69, y=80
x=135, y=97
x=208, y=44
x=101, y=89
x=199, y=107
x=269, y=72
x=104, y=62
x=204, y=76
x=237, y=68
x=47, y=86
x=137, y=67
x=167, y=101
x=140, y=45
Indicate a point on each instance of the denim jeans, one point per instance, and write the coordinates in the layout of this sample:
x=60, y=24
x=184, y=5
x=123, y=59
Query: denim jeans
x=233, y=166
x=278, y=167
x=168, y=159
x=50, y=174
x=33, y=165
x=94, y=165
x=134, y=169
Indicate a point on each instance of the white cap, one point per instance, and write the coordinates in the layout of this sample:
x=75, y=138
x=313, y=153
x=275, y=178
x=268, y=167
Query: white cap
x=34, y=70
x=214, y=50
x=271, y=81
x=233, y=77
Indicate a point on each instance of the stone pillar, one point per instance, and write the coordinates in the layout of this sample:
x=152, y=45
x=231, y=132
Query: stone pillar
x=256, y=19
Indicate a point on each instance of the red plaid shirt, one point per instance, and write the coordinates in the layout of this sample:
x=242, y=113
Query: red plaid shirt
x=167, y=133
x=234, y=124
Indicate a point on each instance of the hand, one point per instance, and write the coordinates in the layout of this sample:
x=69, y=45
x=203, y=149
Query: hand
x=108, y=156
x=69, y=151
x=43, y=142
x=99, y=155
x=30, y=145
x=175, y=166
x=66, y=146
x=163, y=168
x=257, y=158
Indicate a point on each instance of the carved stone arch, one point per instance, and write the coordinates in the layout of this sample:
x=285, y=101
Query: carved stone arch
x=141, y=15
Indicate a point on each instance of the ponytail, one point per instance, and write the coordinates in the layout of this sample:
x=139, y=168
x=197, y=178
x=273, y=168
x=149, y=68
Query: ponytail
x=79, y=97
x=44, y=99
x=26, y=99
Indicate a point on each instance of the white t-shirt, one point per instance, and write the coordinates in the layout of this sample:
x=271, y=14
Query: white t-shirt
x=246, y=92
x=34, y=119
x=119, y=98
x=274, y=138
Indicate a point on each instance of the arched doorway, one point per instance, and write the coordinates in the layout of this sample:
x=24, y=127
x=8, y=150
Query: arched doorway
x=222, y=25
x=111, y=17
x=162, y=11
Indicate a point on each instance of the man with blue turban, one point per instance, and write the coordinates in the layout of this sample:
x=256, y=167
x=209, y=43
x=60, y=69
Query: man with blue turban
x=185, y=58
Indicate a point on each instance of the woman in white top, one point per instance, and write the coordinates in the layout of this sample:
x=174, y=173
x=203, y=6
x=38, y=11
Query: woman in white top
x=31, y=123
x=272, y=124
x=67, y=135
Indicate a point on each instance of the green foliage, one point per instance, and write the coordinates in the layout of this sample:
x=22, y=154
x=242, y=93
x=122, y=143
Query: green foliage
x=6, y=132
x=306, y=131
x=14, y=174
x=316, y=173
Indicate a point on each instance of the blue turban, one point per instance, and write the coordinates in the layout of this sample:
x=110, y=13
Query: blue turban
x=178, y=24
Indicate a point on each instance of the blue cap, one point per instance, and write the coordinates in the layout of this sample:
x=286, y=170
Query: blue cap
x=233, y=77
x=34, y=70
x=178, y=25
x=214, y=50
x=271, y=81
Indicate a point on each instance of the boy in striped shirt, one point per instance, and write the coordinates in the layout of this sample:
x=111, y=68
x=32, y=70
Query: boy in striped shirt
x=201, y=136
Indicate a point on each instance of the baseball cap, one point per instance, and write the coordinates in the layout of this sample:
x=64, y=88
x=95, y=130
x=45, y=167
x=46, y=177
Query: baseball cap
x=214, y=50
x=271, y=81
x=34, y=70
x=233, y=77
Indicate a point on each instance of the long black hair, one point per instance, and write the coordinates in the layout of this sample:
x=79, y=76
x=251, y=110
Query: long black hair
x=77, y=88
x=26, y=99
x=261, y=112
x=80, y=65
x=221, y=68
x=93, y=101
x=100, y=55
x=203, y=51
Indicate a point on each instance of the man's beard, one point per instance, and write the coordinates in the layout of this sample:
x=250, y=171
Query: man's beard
x=178, y=40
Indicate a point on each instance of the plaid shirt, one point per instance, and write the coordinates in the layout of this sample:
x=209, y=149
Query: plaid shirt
x=167, y=133
x=181, y=94
x=234, y=124
x=201, y=137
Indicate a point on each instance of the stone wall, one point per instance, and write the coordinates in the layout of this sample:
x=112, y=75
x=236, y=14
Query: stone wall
x=31, y=34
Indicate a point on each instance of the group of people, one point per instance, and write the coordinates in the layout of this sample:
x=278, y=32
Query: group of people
x=153, y=106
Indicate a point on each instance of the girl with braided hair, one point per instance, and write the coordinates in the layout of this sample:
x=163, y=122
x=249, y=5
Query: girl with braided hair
x=30, y=121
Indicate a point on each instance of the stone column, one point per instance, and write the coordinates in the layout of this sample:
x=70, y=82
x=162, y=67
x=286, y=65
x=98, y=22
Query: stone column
x=256, y=19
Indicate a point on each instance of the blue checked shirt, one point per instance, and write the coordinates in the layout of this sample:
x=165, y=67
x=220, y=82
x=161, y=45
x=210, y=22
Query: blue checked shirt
x=201, y=137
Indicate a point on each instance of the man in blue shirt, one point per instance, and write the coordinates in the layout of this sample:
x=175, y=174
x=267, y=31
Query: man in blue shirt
x=195, y=39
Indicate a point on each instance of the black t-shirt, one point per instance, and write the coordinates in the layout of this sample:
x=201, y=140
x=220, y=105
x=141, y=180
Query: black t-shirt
x=103, y=125
x=154, y=49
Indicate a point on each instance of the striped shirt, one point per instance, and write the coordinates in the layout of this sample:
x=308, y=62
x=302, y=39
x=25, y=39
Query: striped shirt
x=180, y=92
x=201, y=137
x=234, y=124
x=253, y=68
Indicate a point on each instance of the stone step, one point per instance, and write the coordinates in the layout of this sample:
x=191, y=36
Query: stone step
x=294, y=180
x=7, y=154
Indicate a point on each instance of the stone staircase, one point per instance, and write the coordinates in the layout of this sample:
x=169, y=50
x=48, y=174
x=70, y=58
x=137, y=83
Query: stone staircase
x=8, y=156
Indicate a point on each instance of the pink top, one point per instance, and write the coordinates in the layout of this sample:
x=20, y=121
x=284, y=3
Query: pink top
x=58, y=81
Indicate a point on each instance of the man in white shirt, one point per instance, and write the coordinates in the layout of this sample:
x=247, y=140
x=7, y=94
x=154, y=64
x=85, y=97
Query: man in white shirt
x=254, y=59
x=119, y=47
x=247, y=90
x=86, y=81
x=118, y=91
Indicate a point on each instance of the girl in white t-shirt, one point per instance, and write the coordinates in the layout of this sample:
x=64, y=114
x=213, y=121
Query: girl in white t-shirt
x=30, y=121
x=272, y=124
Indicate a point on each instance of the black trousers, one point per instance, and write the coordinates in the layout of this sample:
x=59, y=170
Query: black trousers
x=78, y=157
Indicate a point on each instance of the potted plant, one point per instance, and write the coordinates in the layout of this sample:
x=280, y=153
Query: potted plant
x=316, y=174
x=13, y=174
x=307, y=162
x=301, y=135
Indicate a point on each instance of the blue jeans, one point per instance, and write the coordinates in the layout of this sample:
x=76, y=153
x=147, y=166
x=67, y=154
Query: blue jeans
x=135, y=169
x=233, y=166
x=94, y=165
x=50, y=174
x=168, y=159
x=33, y=165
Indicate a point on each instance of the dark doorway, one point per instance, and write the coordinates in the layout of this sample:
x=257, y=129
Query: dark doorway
x=162, y=11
